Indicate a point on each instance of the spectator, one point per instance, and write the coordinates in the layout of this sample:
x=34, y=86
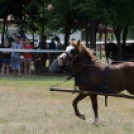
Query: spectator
x=14, y=35
x=27, y=57
x=5, y=59
x=22, y=35
x=15, y=57
x=59, y=45
x=52, y=46
x=43, y=56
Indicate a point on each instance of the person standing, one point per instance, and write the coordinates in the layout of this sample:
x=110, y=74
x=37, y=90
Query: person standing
x=14, y=36
x=15, y=57
x=59, y=61
x=27, y=57
x=5, y=59
x=52, y=46
x=59, y=44
x=22, y=35
x=43, y=56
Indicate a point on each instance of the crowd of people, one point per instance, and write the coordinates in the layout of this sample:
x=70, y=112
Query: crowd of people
x=13, y=60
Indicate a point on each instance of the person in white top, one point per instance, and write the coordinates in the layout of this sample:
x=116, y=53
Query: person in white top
x=59, y=61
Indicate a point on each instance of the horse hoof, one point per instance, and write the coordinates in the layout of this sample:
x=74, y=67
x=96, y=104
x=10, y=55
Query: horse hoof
x=95, y=122
x=83, y=117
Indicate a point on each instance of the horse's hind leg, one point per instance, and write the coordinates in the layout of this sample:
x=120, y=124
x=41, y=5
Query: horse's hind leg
x=95, y=107
x=75, y=101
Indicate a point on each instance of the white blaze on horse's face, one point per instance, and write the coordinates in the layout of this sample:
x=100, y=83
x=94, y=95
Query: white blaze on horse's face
x=63, y=56
x=68, y=51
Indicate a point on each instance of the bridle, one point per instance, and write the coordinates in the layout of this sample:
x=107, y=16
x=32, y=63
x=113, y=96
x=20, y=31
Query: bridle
x=71, y=56
x=74, y=57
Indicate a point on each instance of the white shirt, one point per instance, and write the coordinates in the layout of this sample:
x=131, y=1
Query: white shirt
x=68, y=49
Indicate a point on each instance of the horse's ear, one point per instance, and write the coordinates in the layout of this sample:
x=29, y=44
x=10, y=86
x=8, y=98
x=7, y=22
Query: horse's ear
x=78, y=42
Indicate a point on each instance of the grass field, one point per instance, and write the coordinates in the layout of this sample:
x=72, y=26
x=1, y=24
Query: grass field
x=28, y=107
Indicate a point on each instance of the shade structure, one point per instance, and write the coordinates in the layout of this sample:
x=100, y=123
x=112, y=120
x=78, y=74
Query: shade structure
x=103, y=29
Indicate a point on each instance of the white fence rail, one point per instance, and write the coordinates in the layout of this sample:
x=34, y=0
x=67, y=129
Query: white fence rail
x=31, y=50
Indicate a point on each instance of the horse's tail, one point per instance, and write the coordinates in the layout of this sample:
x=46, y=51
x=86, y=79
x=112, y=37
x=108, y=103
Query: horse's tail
x=106, y=97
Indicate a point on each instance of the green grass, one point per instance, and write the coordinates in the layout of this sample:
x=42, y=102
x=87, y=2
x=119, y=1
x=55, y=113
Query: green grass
x=28, y=107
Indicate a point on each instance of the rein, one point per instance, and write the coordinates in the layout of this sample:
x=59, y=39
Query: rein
x=73, y=58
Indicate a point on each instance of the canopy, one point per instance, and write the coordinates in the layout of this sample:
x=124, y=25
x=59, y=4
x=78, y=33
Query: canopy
x=103, y=29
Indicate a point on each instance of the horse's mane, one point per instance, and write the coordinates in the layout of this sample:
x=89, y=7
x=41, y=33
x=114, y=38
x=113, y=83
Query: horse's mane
x=80, y=46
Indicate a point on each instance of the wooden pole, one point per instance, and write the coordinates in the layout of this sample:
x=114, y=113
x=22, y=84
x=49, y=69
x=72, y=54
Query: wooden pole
x=90, y=92
x=100, y=51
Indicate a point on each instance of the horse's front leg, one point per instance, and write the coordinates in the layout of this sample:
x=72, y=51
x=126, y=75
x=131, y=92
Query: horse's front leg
x=75, y=101
x=94, y=103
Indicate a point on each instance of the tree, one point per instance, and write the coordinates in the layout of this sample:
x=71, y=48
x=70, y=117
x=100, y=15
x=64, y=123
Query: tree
x=63, y=15
x=93, y=12
x=121, y=14
x=14, y=7
x=76, y=14
x=36, y=16
x=3, y=14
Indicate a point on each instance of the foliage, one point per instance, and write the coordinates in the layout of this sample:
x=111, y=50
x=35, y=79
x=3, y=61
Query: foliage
x=121, y=15
x=62, y=11
x=64, y=17
x=68, y=14
x=120, y=12
x=14, y=7
x=78, y=10
x=92, y=10
x=36, y=16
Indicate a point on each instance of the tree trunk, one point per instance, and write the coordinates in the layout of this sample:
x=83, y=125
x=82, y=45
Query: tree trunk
x=105, y=35
x=33, y=30
x=67, y=35
x=118, y=38
x=87, y=33
x=93, y=26
x=6, y=29
x=125, y=32
x=3, y=30
x=42, y=30
x=68, y=25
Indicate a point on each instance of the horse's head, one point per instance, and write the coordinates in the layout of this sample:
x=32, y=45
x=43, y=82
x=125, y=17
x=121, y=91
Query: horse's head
x=78, y=53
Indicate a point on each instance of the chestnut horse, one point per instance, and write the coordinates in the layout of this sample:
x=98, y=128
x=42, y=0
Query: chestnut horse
x=121, y=76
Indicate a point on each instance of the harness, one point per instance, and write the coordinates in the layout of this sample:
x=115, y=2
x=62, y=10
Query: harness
x=80, y=78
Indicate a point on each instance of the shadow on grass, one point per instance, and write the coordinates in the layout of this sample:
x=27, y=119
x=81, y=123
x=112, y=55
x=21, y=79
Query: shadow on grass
x=45, y=76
